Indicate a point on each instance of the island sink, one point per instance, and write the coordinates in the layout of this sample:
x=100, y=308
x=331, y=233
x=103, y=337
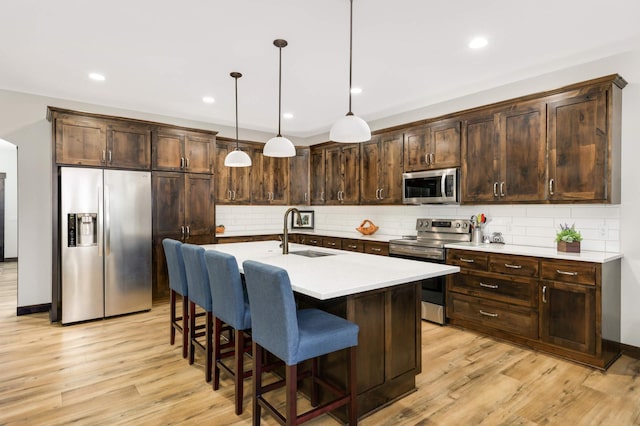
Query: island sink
x=311, y=253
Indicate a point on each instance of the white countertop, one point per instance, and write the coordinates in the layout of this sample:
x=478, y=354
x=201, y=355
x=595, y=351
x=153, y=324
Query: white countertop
x=343, y=274
x=340, y=234
x=548, y=252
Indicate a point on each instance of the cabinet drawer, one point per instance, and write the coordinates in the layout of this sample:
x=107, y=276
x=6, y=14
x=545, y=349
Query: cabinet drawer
x=313, y=241
x=352, y=245
x=468, y=259
x=514, y=265
x=572, y=272
x=517, y=290
x=331, y=242
x=513, y=319
x=374, y=247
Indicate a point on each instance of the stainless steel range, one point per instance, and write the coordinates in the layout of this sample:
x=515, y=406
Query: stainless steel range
x=428, y=246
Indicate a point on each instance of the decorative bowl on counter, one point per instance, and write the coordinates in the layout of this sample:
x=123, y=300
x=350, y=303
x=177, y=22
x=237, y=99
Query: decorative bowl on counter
x=367, y=227
x=220, y=229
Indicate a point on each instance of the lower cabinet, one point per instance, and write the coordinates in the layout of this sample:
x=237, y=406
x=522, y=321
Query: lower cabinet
x=568, y=308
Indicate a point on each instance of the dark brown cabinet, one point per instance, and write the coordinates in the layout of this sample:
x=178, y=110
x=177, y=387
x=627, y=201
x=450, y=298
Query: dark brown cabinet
x=270, y=179
x=432, y=146
x=182, y=150
x=505, y=155
x=381, y=164
x=317, y=172
x=565, y=307
x=342, y=165
x=99, y=142
x=299, y=188
x=183, y=209
x=233, y=184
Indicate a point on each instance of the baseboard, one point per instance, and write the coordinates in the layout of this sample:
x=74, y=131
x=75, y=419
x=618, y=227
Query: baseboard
x=632, y=351
x=33, y=309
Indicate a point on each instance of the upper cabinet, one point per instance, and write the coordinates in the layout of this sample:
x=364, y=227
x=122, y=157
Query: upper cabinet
x=381, y=164
x=342, y=165
x=505, y=155
x=317, y=173
x=299, y=189
x=233, y=184
x=86, y=140
x=432, y=146
x=270, y=179
x=584, y=145
x=181, y=150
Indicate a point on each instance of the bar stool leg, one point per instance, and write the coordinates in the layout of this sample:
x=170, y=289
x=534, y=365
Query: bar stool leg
x=257, y=382
x=239, y=369
x=172, y=316
x=185, y=325
x=292, y=394
x=208, y=345
x=217, y=332
x=192, y=331
x=352, y=387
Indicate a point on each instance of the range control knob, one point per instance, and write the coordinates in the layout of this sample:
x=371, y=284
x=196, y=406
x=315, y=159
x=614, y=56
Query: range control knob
x=458, y=225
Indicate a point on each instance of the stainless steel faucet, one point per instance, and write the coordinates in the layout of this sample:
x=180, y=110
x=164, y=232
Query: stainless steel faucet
x=285, y=234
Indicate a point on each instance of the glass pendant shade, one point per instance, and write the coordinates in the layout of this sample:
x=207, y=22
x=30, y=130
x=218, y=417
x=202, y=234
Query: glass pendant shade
x=279, y=146
x=237, y=158
x=350, y=129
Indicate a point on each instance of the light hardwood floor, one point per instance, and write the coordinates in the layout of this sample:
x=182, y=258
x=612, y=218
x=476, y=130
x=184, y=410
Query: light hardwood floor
x=123, y=371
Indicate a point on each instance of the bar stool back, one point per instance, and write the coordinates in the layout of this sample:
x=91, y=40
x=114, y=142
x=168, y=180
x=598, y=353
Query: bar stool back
x=295, y=336
x=177, y=287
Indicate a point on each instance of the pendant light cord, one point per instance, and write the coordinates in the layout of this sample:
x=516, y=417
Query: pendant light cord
x=237, y=147
x=279, y=91
x=350, y=52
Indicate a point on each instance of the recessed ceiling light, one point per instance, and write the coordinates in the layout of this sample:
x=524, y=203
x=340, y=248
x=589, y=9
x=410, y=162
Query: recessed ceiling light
x=478, y=43
x=356, y=90
x=208, y=99
x=287, y=115
x=96, y=76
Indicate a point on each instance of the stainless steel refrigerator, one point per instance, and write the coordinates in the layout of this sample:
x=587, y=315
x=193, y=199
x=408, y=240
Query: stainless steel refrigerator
x=106, y=242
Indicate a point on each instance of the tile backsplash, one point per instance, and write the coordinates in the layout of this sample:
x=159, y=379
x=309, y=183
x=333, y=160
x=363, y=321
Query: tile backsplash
x=534, y=225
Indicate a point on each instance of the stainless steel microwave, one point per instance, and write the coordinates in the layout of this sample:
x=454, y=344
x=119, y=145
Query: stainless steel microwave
x=431, y=187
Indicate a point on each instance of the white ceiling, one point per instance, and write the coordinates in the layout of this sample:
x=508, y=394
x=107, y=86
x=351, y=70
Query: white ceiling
x=163, y=56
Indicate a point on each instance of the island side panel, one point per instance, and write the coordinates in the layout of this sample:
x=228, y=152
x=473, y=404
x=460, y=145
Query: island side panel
x=389, y=343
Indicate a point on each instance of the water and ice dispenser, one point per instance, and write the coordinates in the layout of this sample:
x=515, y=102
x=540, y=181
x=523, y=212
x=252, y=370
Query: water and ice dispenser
x=82, y=229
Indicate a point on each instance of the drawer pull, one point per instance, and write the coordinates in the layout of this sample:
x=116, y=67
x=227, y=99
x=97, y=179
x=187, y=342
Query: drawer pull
x=377, y=250
x=572, y=274
x=353, y=246
x=508, y=265
x=332, y=244
x=463, y=259
x=488, y=314
x=489, y=285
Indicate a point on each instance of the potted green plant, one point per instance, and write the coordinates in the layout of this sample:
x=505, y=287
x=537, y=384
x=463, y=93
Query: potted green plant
x=568, y=239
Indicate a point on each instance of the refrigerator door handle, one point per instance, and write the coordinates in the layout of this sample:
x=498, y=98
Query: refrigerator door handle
x=107, y=222
x=100, y=219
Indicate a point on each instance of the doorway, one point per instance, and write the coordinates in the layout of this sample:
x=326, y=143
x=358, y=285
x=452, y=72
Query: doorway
x=8, y=201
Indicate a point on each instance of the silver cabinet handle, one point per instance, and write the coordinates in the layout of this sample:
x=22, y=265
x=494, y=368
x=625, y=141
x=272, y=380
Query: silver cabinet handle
x=104, y=156
x=488, y=314
x=551, y=182
x=234, y=195
x=432, y=158
x=322, y=196
x=352, y=246
x=381, y=196
x=110, y=161
x=331, y=243
x=572, y=274
x=188, y=231
x=182, y=229
x=544, y=294
x=495, y=189
x=508, y=265
x=186, y=163
x=462, y=259
x=426, y=159
x=494, y=286
x=502, y=189
x=230, y=195
x=182, y=162
x=306, y=197
x=376, y=249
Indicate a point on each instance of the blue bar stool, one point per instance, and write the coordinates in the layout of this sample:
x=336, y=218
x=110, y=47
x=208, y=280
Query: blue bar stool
x=230, y=306
x=295, y=336
x=199, y=295
x=177, y=287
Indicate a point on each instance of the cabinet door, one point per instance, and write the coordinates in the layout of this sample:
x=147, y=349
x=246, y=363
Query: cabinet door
x=80, y=141
x=276, y=174
x=198, y=153
x=577, y=136
x=222, y=174
x=129, y=146
x=168, y=204
x=350, y=174
x=299, y=178
x=168, y=150
x=391, y=164
x=481, y=162
x=444, y=141
x=333, y=175
x=317, y=176
x=567, y=316
x=370, y=171
x=522, y=146
x=416, y=149
x=199, y=205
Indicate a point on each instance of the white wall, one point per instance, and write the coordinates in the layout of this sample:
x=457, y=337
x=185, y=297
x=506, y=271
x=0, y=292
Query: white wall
x=22, y=121
x=9, y=165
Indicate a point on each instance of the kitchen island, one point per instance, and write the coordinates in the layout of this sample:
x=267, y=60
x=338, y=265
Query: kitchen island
x=380, y=294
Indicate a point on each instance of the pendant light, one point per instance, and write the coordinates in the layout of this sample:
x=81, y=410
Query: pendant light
x=350, y=128
x=237, y=158
x=279, y=146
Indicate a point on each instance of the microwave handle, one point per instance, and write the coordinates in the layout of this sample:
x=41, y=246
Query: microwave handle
x=443, y=186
